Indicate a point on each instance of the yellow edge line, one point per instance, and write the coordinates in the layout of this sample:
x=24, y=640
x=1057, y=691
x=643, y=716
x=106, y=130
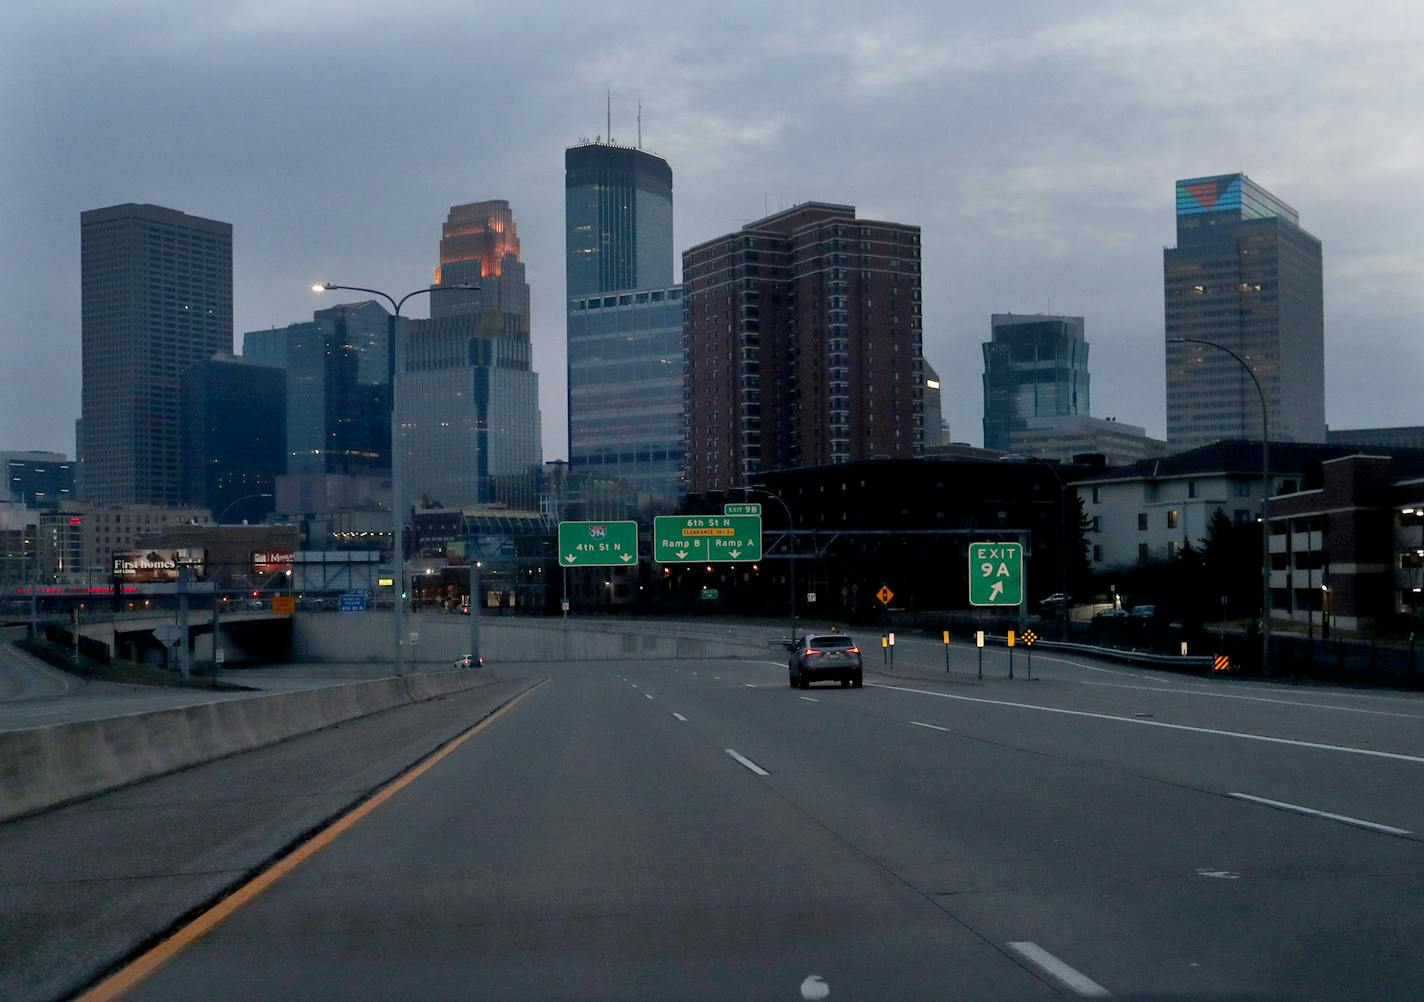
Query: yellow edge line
x=146, y=963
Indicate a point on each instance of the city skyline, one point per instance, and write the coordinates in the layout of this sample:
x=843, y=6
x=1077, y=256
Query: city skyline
x=1072, y=223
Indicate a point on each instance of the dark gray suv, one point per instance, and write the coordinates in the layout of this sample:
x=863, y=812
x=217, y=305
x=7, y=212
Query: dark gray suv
x=824, y=656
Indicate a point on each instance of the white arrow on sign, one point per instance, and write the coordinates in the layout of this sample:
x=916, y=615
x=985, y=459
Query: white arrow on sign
x=735, y=553
x=682, y=554
x=625, y=557
x=996, y=591
x=570, y=557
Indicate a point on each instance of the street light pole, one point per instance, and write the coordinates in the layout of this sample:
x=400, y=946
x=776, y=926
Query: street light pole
x=1265, y=497
x=397, y=507
x=790, y=548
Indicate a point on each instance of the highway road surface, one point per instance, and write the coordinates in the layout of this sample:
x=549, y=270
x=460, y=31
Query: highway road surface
x=699, y=830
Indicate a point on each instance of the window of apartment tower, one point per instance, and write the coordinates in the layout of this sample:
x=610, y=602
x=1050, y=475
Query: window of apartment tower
x=1172, y=517
x=1142, y=521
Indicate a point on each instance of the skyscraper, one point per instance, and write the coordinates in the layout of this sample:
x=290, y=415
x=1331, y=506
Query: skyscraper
x=618, y=212
x=468, y=397
x=1035, y=366
x=337, y=388
x=624, y=321
x=156, y=294
x=1246, y=276
x=234, y=435
x=803, y=342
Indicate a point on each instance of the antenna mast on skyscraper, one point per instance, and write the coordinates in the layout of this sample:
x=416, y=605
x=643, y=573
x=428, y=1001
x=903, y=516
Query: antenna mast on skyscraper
x=609, y=110
x=640, y=123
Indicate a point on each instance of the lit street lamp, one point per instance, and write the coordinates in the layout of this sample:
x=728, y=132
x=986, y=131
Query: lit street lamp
x=1265, y=498
x=397, y=508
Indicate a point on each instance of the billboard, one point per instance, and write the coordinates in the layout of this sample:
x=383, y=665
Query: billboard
x=142, y=566
x=271, y=561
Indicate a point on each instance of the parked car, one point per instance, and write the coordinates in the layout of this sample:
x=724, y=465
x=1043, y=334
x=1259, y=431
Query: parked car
x=468, y=661
x=1108, y=616
x=821, y=656
x=1141, y=615
x=1055, y=605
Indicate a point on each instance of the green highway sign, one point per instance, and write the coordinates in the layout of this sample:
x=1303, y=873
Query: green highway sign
x=995, y=573
x=706, y=538
x=598, y=544
x=741, y=508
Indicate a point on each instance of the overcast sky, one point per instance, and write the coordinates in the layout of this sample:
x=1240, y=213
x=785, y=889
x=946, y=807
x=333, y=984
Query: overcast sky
x=1036, y=144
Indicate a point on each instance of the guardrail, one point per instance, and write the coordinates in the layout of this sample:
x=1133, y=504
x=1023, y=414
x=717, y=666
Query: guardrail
x=1191, y=662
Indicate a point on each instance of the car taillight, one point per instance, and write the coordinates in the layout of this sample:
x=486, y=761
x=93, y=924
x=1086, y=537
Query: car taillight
x=812, y=650
x=852, y=650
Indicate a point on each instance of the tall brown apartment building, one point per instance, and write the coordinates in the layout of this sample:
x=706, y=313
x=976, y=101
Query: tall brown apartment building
x=802, y=343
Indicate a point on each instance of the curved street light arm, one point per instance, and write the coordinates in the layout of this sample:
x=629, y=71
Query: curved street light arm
x=1265, y=497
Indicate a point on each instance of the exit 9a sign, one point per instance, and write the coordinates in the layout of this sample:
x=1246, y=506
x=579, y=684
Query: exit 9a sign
x=995, y=573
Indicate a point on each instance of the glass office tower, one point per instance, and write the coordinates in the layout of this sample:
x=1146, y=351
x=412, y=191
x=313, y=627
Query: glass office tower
x=1035, y=366
x=156, y=297
x=1246, y=276
x=468, y=394
x=625, y=406
x=625, y=399
x=618, y=213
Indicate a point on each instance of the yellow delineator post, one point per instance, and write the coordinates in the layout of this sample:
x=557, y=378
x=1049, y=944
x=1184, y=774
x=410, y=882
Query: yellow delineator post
x=1011, y=654
x=979, y=643
x=946, y=651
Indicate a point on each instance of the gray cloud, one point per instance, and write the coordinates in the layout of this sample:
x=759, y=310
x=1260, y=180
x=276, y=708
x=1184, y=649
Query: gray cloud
x=1035, y=143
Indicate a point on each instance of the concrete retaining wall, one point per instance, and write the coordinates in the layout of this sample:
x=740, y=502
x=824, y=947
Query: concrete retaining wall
x=47, y=766
x=353, y=637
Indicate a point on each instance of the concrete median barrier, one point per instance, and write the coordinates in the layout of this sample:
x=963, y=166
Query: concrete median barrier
x=44, y=767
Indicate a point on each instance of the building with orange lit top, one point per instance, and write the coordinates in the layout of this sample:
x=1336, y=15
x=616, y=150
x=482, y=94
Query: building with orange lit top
x=468, y=396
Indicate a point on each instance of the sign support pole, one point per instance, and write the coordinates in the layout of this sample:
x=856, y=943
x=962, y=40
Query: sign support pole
x=217, y=599
x=183, y=652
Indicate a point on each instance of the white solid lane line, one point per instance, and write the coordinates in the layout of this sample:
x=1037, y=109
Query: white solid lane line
x=1260, y=699
x=747, y=762
x=933, y=727
x=1297, y=809
x=810, y=700
x=679, y=716
x=1075, y=981
x=748, y=685
x=1243, y=735
x=647, y=695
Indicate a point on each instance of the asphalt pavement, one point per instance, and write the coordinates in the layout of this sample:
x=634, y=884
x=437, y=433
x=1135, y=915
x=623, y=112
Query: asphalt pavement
x=698, y=830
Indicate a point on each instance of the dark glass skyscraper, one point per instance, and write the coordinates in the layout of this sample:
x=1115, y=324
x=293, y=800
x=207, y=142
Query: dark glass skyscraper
x=625, y=395
x=156, y=294
x=1035, y=366
x=1246, y=276
x=618, y=212
x=234, y=435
